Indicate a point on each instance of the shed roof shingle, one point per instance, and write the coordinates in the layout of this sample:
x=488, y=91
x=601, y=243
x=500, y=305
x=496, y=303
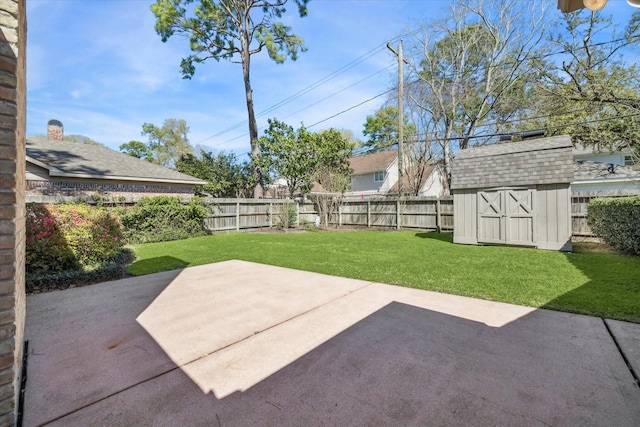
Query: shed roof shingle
x=540, y=161
x=65, y=158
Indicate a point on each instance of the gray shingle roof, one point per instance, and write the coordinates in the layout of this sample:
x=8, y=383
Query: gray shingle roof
x=65, y=158
x=540, y=161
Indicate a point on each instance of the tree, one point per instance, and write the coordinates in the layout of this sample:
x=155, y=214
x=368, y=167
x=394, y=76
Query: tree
x=333, y=171
x=233, y=30
x=81, y=139
x=591, y=93
x=225, y=175
x=167, y=144
x=382, y=129
x=137, y=149
x=468, y=65
x=302, y=158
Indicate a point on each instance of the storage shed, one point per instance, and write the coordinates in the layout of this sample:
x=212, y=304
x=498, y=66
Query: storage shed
x=516, y=193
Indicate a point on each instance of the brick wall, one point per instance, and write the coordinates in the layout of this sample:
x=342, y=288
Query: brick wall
x=12, y=195
x=131, y=191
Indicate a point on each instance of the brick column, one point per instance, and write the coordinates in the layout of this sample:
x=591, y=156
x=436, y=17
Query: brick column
x=12, y=210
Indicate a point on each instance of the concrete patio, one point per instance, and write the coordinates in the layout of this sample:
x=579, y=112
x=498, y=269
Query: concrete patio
x=241, y=344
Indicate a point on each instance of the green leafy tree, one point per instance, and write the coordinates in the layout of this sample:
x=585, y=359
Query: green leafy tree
x=333, y=171
x=382, y=129
x=225, y=175
x=168, y=143
x=301, y=157
x=137, y=149
x=233, y=30
x=592, y=93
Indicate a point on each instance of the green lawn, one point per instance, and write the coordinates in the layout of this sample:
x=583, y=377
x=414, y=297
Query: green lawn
x=599, y=284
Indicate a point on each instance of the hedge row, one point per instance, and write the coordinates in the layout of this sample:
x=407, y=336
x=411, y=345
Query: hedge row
x=617, y=222
x=163, y=218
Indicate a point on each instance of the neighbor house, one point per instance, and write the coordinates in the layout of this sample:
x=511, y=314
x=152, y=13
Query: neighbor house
x=604, y=171
x=66, y=170
x=376, y=175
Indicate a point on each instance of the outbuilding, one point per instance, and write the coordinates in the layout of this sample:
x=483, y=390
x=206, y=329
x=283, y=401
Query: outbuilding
x=516, y=193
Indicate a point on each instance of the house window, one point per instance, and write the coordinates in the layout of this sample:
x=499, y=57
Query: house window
x=378, y=176
x=629, y=160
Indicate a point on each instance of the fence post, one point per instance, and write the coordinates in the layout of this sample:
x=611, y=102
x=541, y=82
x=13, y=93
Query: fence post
x=237, y=216
x=368, y=213
x=438, y=219
x=398, y=214
x=270, y=215
x=298, y=214
x=340, y=215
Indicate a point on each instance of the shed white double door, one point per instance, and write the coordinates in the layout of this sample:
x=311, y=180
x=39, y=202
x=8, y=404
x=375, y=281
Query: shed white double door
x=507, y=216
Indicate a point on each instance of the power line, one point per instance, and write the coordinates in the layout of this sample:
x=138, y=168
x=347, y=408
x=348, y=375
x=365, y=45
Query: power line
x=350, y=108
x=547, y=128
x=318, y=122
x=361, y=59
x=325, y=79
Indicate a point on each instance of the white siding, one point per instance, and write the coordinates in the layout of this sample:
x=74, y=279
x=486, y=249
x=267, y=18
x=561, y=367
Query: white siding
x=433, y=186
x=365, y=183
x=620, y=186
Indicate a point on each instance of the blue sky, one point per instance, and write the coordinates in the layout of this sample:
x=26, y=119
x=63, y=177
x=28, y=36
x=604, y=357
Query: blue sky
x=99, y=67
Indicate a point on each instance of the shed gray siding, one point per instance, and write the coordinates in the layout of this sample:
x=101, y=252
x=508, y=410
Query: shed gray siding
x=514, y=193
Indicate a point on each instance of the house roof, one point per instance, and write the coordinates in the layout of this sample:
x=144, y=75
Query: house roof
x=595, y=171
x=373, y=162
x=74, y=160
x=539, y=161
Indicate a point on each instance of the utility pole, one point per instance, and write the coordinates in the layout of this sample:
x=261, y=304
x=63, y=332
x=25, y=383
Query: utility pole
x=400, y=117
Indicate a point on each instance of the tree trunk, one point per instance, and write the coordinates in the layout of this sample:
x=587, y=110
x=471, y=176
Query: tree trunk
x=258, y=191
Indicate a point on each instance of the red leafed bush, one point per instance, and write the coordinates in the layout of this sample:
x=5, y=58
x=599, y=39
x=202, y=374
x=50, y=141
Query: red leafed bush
x=67, y=236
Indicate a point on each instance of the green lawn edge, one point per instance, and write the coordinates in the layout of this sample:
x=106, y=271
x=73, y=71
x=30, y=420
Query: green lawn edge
x=598, y=284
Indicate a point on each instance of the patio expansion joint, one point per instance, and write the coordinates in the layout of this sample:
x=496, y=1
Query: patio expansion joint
x=344, y=295
x=59, y=417
x=275, y=325
x=634, y=374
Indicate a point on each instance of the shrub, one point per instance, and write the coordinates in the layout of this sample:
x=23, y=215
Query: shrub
x=42, y=281
x=162, y=218
x=285, y=216
x=617, y=222
x=70, y=236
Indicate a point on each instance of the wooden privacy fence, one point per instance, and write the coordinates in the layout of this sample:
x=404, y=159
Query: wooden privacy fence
x=424, y=213
x=240, y=214
x=420, y=213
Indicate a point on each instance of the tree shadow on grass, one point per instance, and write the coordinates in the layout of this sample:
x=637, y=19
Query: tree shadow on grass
x=443, y=237
x=611, y=290
x=611, y=287
x=155, y=265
